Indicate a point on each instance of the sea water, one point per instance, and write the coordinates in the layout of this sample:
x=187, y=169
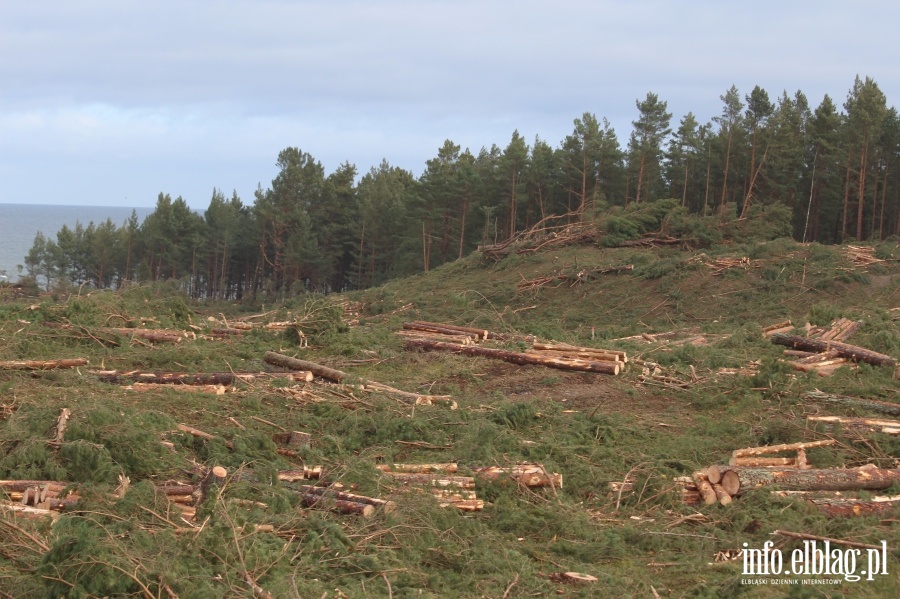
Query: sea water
x=19, y=223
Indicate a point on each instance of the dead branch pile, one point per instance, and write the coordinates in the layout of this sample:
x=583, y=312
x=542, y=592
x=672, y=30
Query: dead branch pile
x=553, y=231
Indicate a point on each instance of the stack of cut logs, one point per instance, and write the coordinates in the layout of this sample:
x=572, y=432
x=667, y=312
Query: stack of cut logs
x=824, y=350
x=453, y=490
x=755, y=467
x=431, y=336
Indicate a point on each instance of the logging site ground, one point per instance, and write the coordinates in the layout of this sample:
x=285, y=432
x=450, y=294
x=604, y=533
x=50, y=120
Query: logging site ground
x=414, y=461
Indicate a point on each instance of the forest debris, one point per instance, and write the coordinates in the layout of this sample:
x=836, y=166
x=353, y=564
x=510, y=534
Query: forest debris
x=861, y=256
x=517, y=357
x=582, y=276
x=338, y=376
x=767, y=449
x=809, y=537
x=61, y=423
x=526, y=474
x=582, y=353
x=884, y=407
x=381, y=504
x=211, y=389
x=852, y=352
x=200, y=378
x=201, y=434
x=868, y=477
x=447, y=468
x=305, y=473
x=720, y=265
x=888, y=427
x=294, y=439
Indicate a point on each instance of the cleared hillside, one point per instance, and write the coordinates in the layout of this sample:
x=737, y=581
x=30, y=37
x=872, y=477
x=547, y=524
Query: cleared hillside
x=701, y=381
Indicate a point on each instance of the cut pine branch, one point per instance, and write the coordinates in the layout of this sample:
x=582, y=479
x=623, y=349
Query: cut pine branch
x=517, y=357
x=845, y=350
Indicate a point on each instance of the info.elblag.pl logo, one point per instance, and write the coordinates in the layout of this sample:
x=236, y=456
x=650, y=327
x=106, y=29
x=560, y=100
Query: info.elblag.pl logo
x=814, y=558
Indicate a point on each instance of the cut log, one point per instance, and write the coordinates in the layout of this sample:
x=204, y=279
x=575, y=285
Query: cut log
x=152, y=335
x=305, y=473
x=463, y=505
x=777, y=325
x=722, y=495
x=448, y=468
x=517, y=357
x=435, y=480
x=705, y=489
x=714, y=474
x=295, y=364
x=342, y=377
x=460, y=339
x=852, y=352
x=756, y=451
x=443, y=331
x=573, y=355
x=731, y=482
x=529, y=475
x=61, y=423
x=603, y=354
x=875, y=405
x=872, y=424
x=213, y=478
x=295, y=439
x=210, y=389
x=311, y=500
x=480, y=333
x=761, y=462
x=42, y=364
x=838, y=479
x=856, y=507
x=200, y=434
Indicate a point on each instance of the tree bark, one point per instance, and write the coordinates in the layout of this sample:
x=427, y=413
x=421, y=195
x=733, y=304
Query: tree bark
x=838, y=479
x=845, y=350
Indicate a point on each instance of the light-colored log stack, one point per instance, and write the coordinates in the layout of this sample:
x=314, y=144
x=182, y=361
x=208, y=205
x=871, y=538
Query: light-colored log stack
x=861, y=255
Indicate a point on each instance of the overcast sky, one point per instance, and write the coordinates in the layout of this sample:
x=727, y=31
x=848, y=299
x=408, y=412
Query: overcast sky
x=109, y=102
